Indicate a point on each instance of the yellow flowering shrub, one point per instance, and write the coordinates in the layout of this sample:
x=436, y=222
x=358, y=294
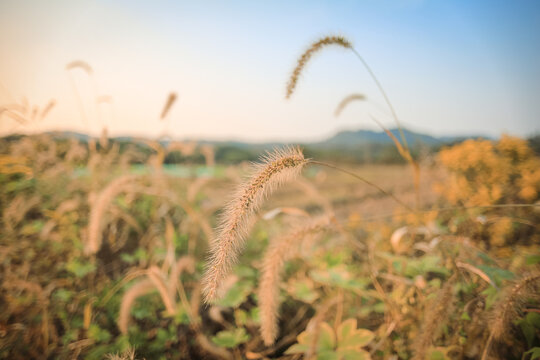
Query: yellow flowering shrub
x=483, y=173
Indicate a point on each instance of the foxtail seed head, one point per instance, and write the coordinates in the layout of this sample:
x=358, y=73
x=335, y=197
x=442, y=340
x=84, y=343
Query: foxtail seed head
x=275, y=169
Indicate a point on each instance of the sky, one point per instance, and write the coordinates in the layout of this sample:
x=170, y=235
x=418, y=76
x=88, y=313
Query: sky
x=449, y=67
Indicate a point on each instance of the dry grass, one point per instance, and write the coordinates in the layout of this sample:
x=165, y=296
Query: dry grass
x=275, y=169
x=346, y=101
x=279, y=251
x=99, y=209
x=306, y=56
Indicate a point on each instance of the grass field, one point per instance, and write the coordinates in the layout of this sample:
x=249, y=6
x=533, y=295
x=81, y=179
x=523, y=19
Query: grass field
x=108, y=250
x=99, y=256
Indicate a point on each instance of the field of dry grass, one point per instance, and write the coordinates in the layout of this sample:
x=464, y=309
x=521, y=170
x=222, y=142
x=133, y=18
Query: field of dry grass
x=109, y=252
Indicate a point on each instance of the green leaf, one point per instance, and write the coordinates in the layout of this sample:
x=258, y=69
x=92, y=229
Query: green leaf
x=491, y=295
x=98, y=334
x=302, y=290
x=80, y=269
x=353, y=354
x=327, y=340
x=325, y=343
x=528, y=325
x=237, y=294
x=437, y=355
x=535, y=353
x=327, y=355
x=349, y=337
x=532, y=259
x=534, y=319
x=297, y=349
x=346, y=330
x=424, y=265
x=497, y=275
x=231, y=338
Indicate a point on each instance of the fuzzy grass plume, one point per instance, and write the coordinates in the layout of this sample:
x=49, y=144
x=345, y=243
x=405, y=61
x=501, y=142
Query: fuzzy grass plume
x=278, y=252
x=511, y=304
x=139, y=289
x=346, y=101
x=275, y=169
x=304, y=58
x=99, y=207
x=510, y=307
x=436, y=313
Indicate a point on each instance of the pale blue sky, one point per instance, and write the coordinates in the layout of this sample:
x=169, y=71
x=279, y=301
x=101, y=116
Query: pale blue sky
x=449, y=67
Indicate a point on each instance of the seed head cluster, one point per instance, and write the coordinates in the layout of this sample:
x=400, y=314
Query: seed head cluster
x=303, y=60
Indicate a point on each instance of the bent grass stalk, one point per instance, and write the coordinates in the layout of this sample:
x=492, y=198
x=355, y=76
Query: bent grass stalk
x=99, y=207
x=275, y=169
x=279, y=251
x=341, y=41
x=346, y=100
x=306, y=56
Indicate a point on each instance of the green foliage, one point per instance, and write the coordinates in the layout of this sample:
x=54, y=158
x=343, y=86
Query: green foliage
x=231, y=338
x=344, y=344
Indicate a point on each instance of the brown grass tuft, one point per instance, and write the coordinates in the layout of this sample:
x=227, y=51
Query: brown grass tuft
x=510, y=306
x=303, y=60
x=275, y=169
x=278, y=252
x=436, y=313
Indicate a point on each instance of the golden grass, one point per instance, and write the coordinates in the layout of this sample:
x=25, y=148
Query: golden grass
x=99, y=208
x=139, y=289
x=346, y=101
x=306, y=56
x=168, y=105
x=279, y=251
x=275, y=169
x=435, y=315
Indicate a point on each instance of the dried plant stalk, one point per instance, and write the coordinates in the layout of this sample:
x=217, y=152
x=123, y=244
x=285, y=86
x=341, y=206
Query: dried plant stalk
x=275, y=169
x=303, y=60
x=139, y=289
x=278, y=252
x=168, y=104
x=99, y=207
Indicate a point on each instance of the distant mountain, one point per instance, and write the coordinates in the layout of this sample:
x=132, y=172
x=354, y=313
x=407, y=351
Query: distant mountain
x=342, y=139
x=350, y=138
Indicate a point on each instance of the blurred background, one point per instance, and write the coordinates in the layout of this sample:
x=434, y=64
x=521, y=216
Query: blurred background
x=459, y=68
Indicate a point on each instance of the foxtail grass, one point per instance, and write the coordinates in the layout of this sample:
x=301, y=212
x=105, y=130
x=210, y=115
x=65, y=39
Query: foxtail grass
x=346, y=101
x=275, y=169
x=510, y=307
x=306, y=56
x=436, y=313
x=99, y=208
x=141, y=288
x=279, y=251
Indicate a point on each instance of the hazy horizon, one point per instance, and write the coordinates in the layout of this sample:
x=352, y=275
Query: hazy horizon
x=450, y=69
